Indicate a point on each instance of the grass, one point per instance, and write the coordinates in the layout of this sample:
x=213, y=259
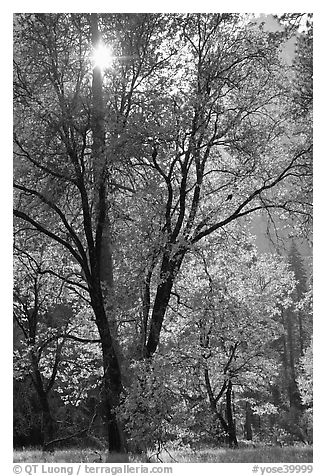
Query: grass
x=73, y=455
x=245, y=455
x=264, y=454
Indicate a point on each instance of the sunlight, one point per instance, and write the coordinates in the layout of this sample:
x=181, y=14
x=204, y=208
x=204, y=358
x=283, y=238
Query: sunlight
x=102, y=56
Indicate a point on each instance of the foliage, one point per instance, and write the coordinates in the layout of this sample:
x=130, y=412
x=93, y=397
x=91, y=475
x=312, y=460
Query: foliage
x=27, y=422
x=305, y=383
x=54, y=356
x=221, y=323
x=149, y=409
x=137, y=284
x=305, y=377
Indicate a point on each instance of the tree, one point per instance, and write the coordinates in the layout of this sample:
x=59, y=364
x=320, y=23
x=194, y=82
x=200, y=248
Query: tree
x=216, y=347
x=143, y=149
x=31, y=301
x=305, y=384
x=196, y=150
x=51, y=337
x=48, y=70
x=305, y=379
x=236, y=307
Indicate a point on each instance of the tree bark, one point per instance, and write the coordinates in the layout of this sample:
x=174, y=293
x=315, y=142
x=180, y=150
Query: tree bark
x=169, y=269
x=248, y=423
x=48, y=423
x=101, y=285
x=214, y=400
x=289, y=362
x=233, y=442
x=112, y=385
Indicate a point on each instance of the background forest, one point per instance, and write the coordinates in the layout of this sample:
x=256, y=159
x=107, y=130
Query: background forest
x=145, y=147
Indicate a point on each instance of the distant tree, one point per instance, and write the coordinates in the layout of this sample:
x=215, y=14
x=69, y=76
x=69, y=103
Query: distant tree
x=305, y=377
x=305, y=382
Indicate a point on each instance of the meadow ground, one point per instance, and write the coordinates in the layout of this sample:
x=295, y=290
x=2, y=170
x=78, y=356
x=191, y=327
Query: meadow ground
x=264, y=454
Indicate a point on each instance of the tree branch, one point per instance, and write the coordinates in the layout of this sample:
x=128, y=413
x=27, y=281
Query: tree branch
x=53, y=236
x=59, y=212
x=237, y=213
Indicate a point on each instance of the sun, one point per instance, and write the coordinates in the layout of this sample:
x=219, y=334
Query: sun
x=102, y=56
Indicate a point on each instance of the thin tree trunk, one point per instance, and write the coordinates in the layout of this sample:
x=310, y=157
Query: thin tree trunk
x=146, y=301
x=289, y=362
x=213, y=401
x=248, y=422
x=233, y=442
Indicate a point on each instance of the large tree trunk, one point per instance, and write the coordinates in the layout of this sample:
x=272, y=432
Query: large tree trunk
x=169, y=269
x=48, y=422
x=112, y=386
x=101, y=285
x=48, y=426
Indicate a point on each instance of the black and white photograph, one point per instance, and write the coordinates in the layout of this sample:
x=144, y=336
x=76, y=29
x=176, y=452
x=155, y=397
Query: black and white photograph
x=162, y=240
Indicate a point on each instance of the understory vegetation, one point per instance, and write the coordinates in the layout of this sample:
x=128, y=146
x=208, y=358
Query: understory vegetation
x=258, y=455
